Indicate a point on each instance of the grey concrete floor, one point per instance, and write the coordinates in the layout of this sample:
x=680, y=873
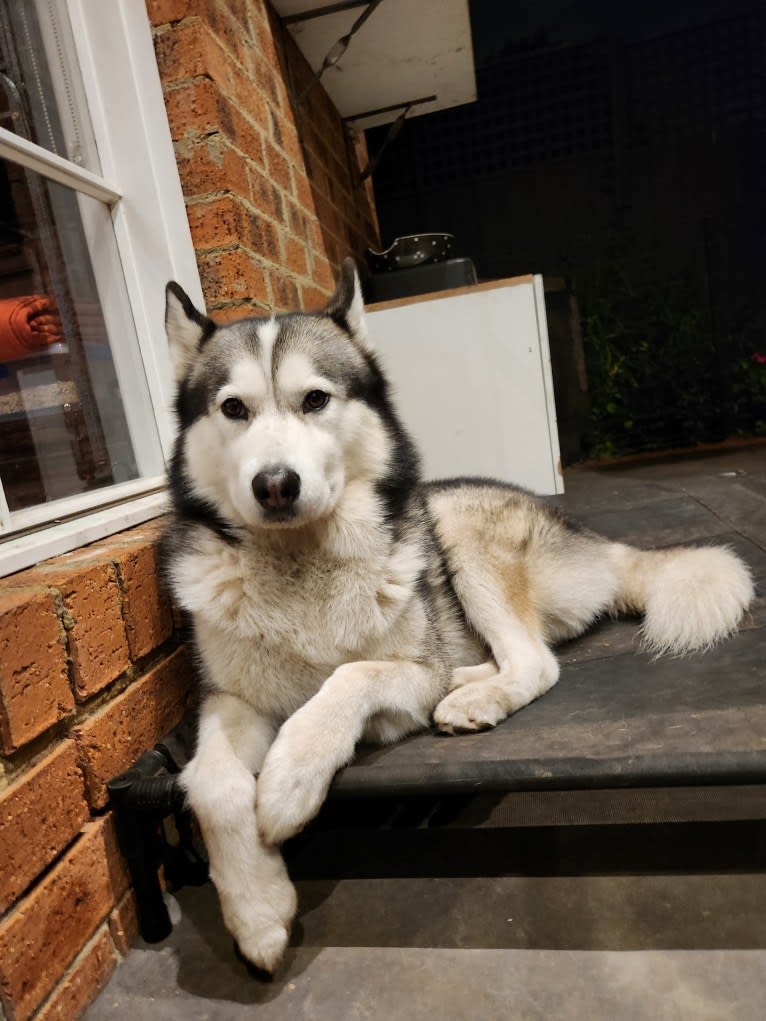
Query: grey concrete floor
x=686, y=942
x=478, y=950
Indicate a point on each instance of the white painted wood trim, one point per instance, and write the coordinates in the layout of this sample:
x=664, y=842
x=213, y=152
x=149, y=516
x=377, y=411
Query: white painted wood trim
x=54, y=168
x=114, y=49
x=64, y=536
x=56, y=511
x=127, y=108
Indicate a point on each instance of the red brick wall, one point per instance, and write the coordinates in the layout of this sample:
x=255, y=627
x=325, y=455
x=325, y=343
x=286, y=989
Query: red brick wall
x=92, y=670
x=271, y=187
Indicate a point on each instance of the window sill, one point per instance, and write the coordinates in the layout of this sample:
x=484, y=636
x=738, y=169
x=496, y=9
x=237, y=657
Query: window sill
x=22, y=551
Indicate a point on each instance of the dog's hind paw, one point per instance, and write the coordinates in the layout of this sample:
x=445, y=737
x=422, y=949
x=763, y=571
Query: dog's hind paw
x=474, y=706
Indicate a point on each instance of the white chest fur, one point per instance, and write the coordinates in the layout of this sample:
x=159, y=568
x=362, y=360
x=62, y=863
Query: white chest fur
x=273, y=621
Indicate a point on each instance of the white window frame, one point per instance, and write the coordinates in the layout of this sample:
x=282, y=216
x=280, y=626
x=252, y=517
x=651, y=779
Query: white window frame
x=140, y=184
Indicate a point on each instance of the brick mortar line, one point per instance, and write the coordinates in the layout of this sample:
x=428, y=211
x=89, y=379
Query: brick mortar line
x=346, y=184
x=199, y=136
x=32, y=753
x=194, y=201
x=18, y=904
x=230, y=54
x=69, y=972
x=250, y=39
x=121, y=597
x=264, y=134
x=220, y=130
x=6, y=1007
x=179, y=144
x=242, y=110
x=221, y=306
x=39, y=877
x=238, y=246
x=181, y=83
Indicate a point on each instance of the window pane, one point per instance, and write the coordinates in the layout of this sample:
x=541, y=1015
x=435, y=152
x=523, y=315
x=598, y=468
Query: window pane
x=65, y=427
x=41, y=93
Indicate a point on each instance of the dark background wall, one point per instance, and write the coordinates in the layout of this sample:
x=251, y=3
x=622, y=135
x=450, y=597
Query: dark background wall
x=622, y=147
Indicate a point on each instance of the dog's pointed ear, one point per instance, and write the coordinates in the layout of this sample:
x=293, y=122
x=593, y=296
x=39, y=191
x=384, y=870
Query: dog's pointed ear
x=346, y=307
x=186, y=328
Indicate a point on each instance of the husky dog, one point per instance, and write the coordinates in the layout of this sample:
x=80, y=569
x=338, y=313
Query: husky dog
x=336, y=597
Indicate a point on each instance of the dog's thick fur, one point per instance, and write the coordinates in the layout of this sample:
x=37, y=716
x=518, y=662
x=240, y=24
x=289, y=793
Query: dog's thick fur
x=370, y=603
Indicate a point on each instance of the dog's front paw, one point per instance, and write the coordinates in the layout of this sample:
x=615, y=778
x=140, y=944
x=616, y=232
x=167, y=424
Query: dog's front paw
x=263, y=948
x=259, y=914
x=294, y=781
x=478, y=705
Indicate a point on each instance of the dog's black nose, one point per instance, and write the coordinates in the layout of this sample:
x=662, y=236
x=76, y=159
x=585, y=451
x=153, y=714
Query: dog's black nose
x=277, y=488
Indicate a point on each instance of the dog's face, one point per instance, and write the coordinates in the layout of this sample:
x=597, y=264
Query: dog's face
x=277, y=415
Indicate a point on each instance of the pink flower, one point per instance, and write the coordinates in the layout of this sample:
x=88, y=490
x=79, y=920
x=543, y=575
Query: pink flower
x=760, y=359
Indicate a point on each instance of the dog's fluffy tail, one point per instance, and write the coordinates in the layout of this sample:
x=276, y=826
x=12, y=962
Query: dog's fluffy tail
x=691, y=598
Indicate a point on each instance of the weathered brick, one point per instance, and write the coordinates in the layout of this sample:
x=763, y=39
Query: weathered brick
x=313, y=298
x=162, y=11
x=263, y=237
x=231, y=313
x=145, y=602
x=244, y=126
x=104, y=551
x=320, y=184
x=123, y=923
x=114, y=737
x=332, y=253
x=268, y=83
x=224, y=71
x=231, y=32
x=40, y=814
x=322, y=273
x=212, y=165
x=285, y=292
x=316, y=237
x=193, y=108
x=34, y=688
x=186, y=50
x=264, y=36
x=248, y=13
x=303, y=190
x=290, y=142
x=264, y=194
x=83, y=982
x=297, y=221
x=41, y=937
x=98, y=645
x=240, y=87
x=328, y=215
x=299, y=66
x=229, y=275
x=217, y=222
x=277, y=167
x=295, y=257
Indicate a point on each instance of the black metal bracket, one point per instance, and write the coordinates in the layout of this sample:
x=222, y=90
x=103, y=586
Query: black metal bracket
x=141, y=798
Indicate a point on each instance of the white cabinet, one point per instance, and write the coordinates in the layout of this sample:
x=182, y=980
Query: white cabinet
x=471, y=372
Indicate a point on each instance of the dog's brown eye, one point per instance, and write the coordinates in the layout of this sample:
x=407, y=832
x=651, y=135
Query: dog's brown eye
x=233, y=407
x=315, y=400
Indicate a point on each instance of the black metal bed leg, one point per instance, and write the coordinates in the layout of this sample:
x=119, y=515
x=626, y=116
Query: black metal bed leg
x=140, y=798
